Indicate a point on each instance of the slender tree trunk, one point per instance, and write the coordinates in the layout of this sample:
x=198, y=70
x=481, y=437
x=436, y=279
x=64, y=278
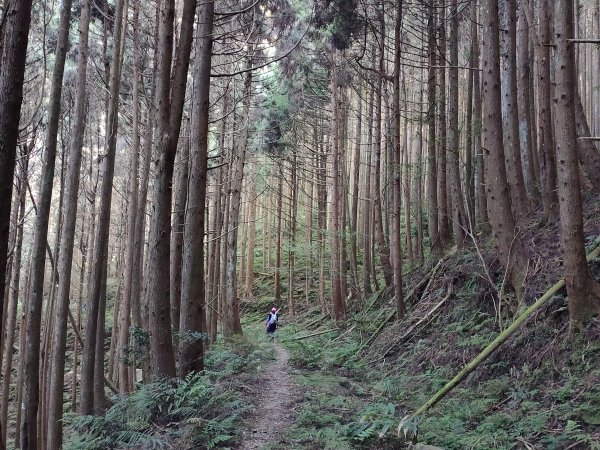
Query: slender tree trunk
x=249, y=288
x=524, y=106
x=459, y=216
x=11, y=91
x=337, y=226
x=396, y=216
x=432, y=193
x=277, y=284
x=355, y=189
x=178, y=227
x=13, y=298
x=232, y=313
x=368, y=235
x=510, y=113
x=65, y=262
x=382, y=247
x=102, y=229
x=507, y=243
x=546, y=149
x=444, y=209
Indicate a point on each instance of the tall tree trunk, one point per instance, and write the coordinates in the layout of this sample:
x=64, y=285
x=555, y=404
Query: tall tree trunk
x=13, y=298
x=278, y=232
x=125, y=360
x=355, y=188
x=15, y=40
x=171, y=97
x=382, y=247
x=396, y=216
x=524, y=106
x=193, y=314
x=432, y=193
x=249, y=282
x=65, y=262
x=546, y=149
x=336, y=215
x=232, y=323
x=444, y=209
x=459, y=216
x=510, y=113
x=507, y=243
x=582, y=289
x=103, y=227
x=178, y=227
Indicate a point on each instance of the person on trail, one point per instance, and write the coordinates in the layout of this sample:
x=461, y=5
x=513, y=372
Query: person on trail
x=271, y=322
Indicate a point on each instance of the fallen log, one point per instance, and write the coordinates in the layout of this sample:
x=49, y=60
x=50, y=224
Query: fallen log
x=500, y=339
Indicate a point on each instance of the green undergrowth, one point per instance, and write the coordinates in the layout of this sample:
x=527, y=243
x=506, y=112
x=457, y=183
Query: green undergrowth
x=201, y=411
x=540, y=390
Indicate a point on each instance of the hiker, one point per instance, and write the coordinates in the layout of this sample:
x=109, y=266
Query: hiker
x=271, y=322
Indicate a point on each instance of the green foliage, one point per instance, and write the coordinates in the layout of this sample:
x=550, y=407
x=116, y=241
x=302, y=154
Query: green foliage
x=152, y=415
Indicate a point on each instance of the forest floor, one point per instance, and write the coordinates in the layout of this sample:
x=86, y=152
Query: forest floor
x=275, y=398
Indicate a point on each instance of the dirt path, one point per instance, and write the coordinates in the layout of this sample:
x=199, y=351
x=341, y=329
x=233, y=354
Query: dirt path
x=275, y=405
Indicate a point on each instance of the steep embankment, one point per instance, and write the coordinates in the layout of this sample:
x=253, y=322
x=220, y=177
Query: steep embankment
x=538, y=390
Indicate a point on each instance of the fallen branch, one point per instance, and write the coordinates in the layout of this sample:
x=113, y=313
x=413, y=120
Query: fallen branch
x=376, y=333
x=412, y=328
x=500, y=339
x=297, y=338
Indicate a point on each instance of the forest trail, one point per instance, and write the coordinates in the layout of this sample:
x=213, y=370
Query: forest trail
x=275, y=405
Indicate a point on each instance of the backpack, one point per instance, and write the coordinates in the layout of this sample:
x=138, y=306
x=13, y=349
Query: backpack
x=272, y=318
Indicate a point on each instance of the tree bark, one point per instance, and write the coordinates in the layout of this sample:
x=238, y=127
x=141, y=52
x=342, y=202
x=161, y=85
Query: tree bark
x=193, y=313
x=460, y=220
x=582, y=289
x=171, y=97
x=507, y=243
x=231, y=321
x=432, y=196
x=15, y=46
x=65, y=263
x=510, y=113
x=103, y=228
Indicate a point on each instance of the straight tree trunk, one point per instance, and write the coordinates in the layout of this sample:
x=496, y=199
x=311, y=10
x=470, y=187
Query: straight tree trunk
x=396, y=213
x=180, y=194
x=193, y=313
x=524, y=106
x=582, y=289
x=124, y=357
x=460, y=220
x=87, y=406
x=382, y=247
x=337, y=225
x=507, y=243
x=232, y=323
x=482, y=220
x=546, y=148
x=249, y=282
x=444, y=209
x=435, y=243
x=13, y=298
x=355, y=189
x=278, y=250
x=171, y=96
x=69, y=219
x=11, y=92
x=510, y=113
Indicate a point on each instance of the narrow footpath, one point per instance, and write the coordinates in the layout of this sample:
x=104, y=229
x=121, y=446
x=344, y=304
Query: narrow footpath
x=275, y=406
